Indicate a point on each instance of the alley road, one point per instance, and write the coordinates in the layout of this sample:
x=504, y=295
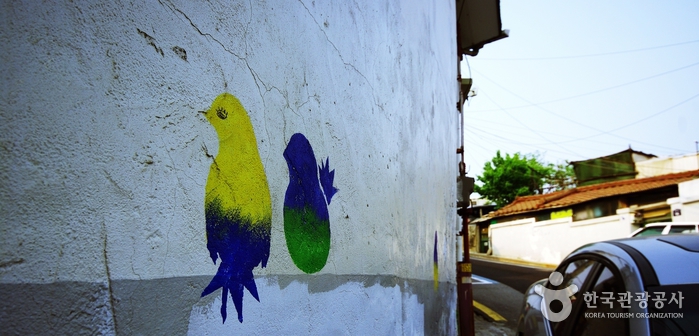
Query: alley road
x=500, y=286
x=498, y=297
x=515, y=276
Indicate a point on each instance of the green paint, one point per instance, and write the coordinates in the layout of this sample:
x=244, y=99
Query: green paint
x=307, y=238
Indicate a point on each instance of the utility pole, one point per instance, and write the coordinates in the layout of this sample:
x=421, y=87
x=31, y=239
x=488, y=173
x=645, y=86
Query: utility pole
x=471, y=36
x=463, y=268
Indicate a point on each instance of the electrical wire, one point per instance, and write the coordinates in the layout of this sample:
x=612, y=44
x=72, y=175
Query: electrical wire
x=601, y=132
x=468, y=65
x=571, y=138
x=483, y=154
x=497, y=138
x=587, y=93
x=612, y=130
x=589, y=55
x=527, y=127
x=509, y=141
x=506, y=140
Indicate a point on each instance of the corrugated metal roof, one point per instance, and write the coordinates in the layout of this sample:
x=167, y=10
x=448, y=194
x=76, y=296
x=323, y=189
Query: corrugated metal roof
x=632, y=151
x=579, y=195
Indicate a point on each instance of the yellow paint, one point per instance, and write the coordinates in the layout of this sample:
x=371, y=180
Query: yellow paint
x=237, y=177
x=466, y=267
x=562, y=214
x=435, y=276
x=491, y=314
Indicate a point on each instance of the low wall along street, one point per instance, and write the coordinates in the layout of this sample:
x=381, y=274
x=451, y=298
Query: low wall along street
x=548, y=242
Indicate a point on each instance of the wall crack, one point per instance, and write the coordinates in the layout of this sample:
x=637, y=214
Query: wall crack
x=347, y=64
x=255, y=76
x=112, y=299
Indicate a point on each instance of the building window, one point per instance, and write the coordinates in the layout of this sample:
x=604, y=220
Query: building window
x=595, y=210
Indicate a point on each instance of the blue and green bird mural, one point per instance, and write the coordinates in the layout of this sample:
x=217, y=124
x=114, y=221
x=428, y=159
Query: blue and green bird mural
x=306, y=218
x=237, y=205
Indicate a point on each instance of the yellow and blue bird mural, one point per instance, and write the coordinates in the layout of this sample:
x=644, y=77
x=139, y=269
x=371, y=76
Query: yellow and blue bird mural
x=306, y=218
x=237, y=204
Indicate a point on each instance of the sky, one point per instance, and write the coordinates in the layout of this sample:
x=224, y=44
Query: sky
x=582, y=79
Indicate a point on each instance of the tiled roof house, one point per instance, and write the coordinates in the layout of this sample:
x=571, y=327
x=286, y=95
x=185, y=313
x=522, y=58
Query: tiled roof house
x=639, y=192
x=613, y=203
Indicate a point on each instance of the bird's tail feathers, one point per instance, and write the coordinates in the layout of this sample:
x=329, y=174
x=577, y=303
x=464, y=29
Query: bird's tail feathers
x=237, y=296
x=224, y=301
x=235, y=284
x=327, y=177
x=217, y=282
x=252, y=287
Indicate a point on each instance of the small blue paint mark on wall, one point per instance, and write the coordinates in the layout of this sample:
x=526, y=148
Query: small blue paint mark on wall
x=435, y=274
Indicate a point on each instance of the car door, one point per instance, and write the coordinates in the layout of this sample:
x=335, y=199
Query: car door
x=577, y=271
x=604, y=310
x=591, y=314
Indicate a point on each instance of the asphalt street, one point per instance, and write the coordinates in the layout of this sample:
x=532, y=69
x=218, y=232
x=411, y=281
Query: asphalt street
x=500, y=298
x=500, y=287
x=518, y=277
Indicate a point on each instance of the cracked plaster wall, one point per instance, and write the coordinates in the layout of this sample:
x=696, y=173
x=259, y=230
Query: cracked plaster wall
x=104, y=153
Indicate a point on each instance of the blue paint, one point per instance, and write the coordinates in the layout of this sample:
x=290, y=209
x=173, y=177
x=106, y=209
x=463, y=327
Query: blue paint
x=304, y=186
x=435, y=248
x=435, y=268
x=242, y=246
x=306, y=218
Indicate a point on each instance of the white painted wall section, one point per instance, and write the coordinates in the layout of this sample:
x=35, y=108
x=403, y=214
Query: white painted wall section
x=106, y=157
x=550, y=241
x=685, y=207
x=669, y=165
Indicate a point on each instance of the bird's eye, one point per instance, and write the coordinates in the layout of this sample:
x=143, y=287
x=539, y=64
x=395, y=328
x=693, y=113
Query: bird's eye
x=221, y=113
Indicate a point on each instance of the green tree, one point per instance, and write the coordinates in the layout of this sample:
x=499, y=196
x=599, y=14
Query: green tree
x=560, y=177
x=505, y=178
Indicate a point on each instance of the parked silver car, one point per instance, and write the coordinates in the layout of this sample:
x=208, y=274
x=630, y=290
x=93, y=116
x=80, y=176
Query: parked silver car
x=633, y=286
x=666, y=228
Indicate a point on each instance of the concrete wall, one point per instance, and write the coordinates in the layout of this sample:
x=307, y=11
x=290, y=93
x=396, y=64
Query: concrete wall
x=105, y=159
x=669, y=165
x=685, y=207
x=552, y=240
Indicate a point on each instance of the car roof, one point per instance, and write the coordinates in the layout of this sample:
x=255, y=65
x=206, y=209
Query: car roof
x=670, y=223
x=674, y=258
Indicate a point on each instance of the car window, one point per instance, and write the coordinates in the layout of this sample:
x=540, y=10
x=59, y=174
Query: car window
x=680, y=305
x=683, y=229
x=607, y=298
x=574, y=273
x=650, y=231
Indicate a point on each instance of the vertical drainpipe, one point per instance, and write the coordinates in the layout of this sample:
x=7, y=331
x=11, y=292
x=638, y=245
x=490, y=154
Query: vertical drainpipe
x=463, y=268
